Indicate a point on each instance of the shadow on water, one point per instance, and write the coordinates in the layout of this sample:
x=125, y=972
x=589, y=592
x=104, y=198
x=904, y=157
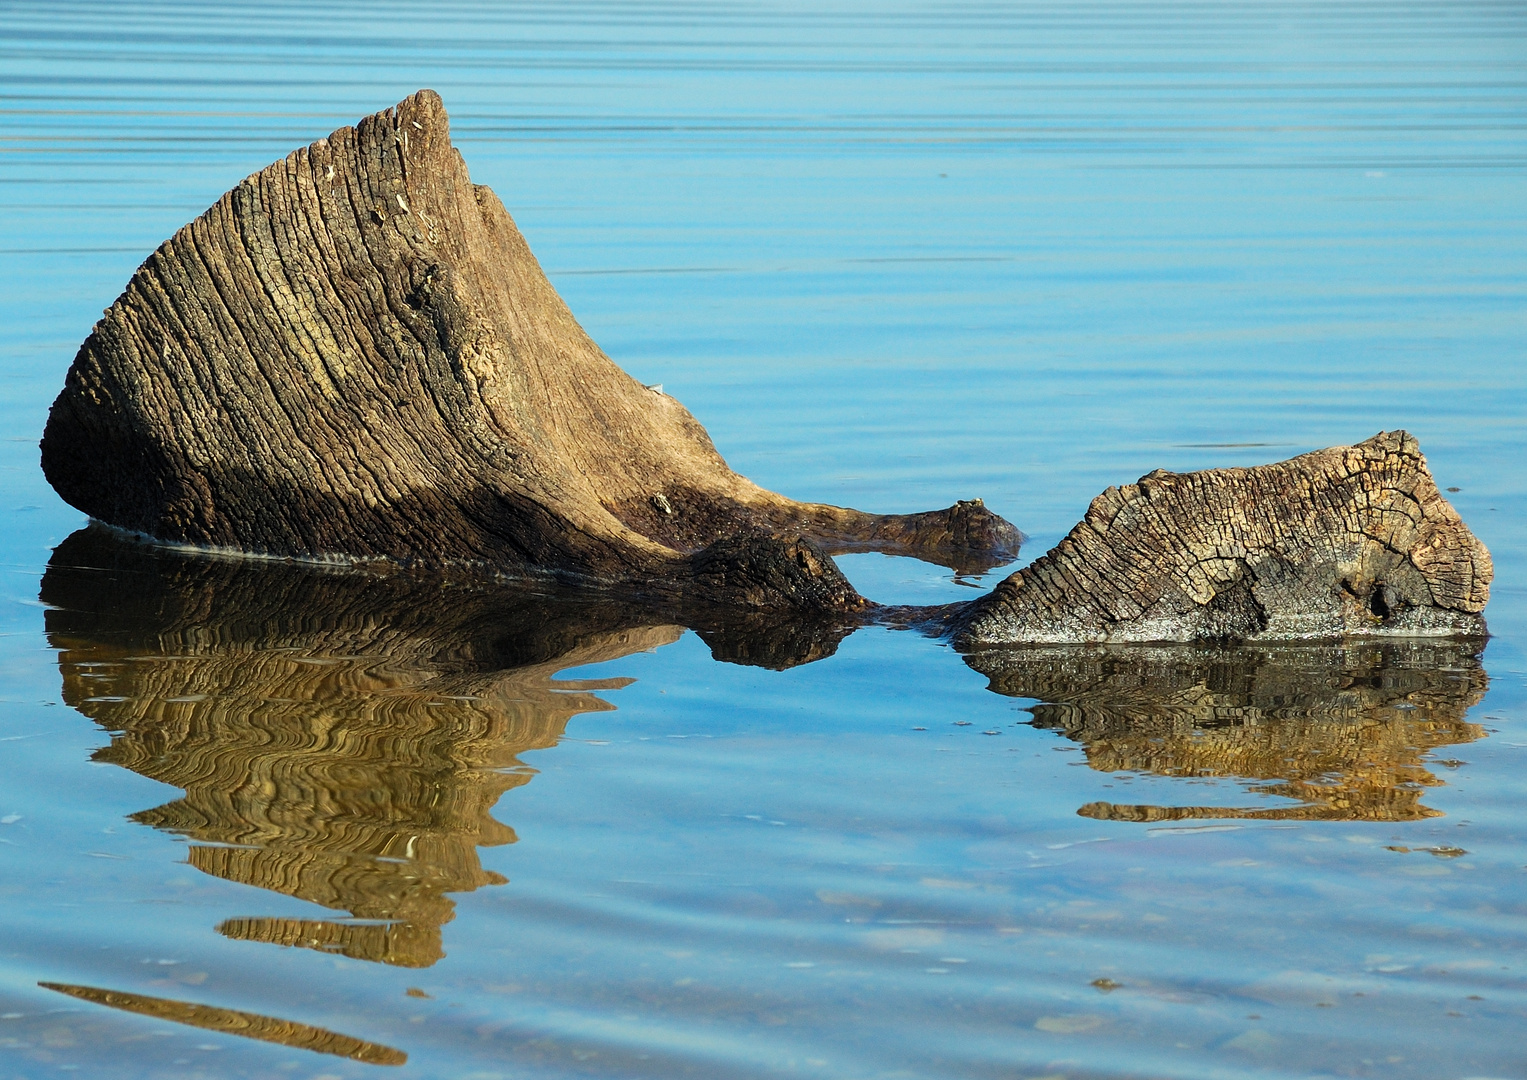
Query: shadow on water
x=1346, y=730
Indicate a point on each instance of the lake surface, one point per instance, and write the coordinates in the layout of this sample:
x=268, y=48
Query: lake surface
x=271, y=821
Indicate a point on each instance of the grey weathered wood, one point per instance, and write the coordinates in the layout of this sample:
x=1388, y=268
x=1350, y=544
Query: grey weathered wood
x=1352, y=540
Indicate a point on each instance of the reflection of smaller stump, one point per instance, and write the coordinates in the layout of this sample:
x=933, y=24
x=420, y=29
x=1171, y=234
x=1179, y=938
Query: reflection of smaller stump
x=1342, y=729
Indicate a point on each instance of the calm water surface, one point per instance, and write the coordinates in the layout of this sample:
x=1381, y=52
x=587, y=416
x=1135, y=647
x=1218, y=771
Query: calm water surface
x=267, y=821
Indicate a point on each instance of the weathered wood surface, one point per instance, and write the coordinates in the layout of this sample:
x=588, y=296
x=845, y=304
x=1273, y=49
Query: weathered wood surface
x=354, y=353
x=1348, y=541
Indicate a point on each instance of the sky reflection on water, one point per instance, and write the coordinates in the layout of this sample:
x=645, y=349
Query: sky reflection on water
x=890, y=256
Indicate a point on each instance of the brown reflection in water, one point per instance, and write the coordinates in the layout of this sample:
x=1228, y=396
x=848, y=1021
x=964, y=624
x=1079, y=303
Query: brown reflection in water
x=340, y=737
x=1343, y=729
x=232, y=1022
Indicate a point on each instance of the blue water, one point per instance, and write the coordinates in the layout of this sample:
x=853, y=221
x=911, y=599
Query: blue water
x=890, y=256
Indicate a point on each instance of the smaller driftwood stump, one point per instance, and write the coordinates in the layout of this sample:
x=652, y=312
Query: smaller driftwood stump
x=353, y=354
x=1349, y=541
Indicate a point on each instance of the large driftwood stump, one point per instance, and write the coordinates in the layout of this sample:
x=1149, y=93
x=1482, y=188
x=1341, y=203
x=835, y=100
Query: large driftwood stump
x=1349, y=541
x=341, y=737
x=354, y=353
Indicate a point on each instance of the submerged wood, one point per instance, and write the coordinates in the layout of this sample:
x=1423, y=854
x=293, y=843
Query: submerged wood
x=353, y=354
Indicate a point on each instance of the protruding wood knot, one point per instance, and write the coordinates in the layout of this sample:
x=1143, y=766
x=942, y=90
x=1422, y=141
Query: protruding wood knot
x=975, y=528
x=1156, y=483
x=1378, y=600
x=760, y=570
x=424, y=287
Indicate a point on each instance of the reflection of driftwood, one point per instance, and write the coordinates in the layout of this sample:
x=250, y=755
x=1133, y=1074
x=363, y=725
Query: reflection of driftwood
x=233, y=1022
x=1347, y=541
x=1344, y=730
x=340, y=737
x=355, y=353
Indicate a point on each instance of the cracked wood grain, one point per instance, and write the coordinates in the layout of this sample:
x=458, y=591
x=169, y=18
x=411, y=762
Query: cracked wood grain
x=1350, y=541
x=353, y=354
